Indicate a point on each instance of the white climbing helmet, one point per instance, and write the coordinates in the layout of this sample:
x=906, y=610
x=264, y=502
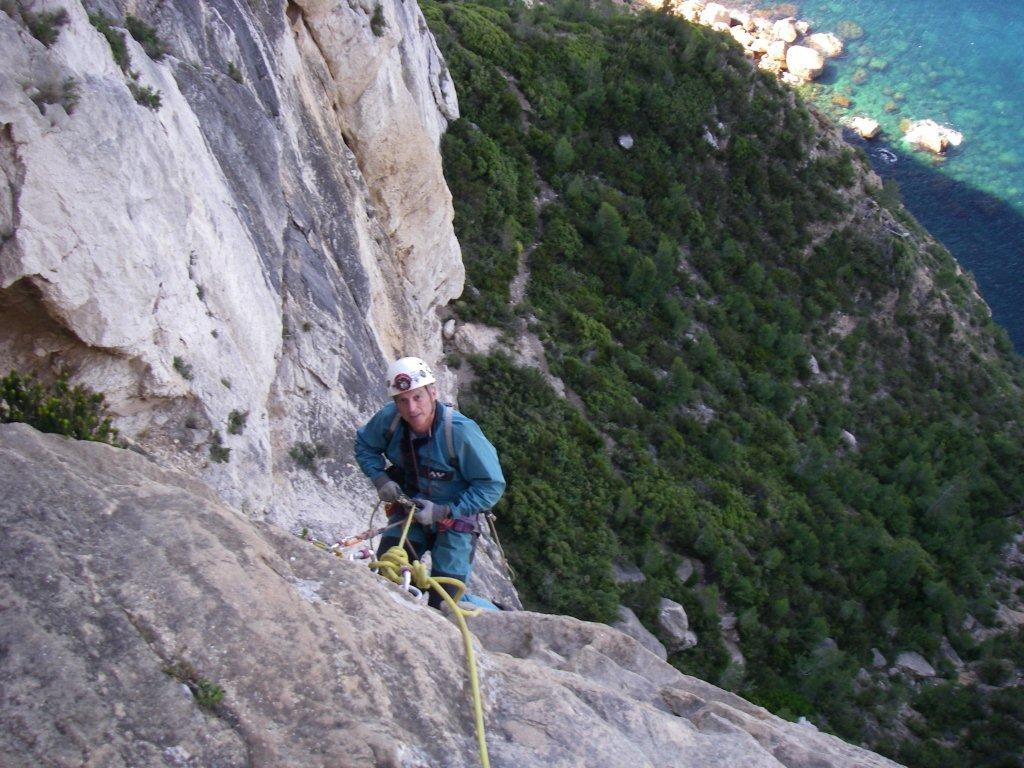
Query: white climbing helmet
x=408, y=373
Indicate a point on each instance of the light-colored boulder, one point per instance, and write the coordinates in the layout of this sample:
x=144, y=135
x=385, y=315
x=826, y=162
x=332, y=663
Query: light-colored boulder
x=476, y=338
x=741, y=36
x=448, y=329
x=770, y=65
x=865, y=127
x=626, y=141
x=929, y=135
x=721, y=26
x=627, y=573
x=878, y=661
x=631, y=625
x=777, y=50
x=948, y=653
x=690, y=9
x=813, y=367
x=827, y=43
x=674, y=622
x=848, y=439
x=714, y=13
x=785, y=30
x=803, y=62
x=760, y=44
x=802, y=27
x=687, y=568
x=742, y=18
x=309, y=649
x=914, y=664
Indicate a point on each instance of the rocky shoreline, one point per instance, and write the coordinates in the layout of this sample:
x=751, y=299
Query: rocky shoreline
x=785, y=46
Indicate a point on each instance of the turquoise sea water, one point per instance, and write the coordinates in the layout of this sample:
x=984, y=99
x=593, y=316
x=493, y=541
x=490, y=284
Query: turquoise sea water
x=960, y=63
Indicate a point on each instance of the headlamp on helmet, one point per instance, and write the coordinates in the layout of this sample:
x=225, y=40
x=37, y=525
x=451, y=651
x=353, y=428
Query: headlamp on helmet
x=408, y=373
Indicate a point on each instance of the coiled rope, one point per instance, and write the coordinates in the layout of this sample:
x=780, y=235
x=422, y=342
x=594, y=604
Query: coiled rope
x=394, y=565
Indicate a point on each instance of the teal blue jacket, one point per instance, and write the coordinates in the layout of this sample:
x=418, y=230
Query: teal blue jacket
x=470, y=485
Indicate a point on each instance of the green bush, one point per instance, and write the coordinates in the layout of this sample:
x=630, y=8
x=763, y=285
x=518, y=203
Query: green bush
x=60, y=408
x=146, y=36
x=45, y=26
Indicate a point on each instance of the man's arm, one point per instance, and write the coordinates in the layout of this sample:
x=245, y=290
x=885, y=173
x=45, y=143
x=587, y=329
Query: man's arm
x=370, y=443
x=479, y=466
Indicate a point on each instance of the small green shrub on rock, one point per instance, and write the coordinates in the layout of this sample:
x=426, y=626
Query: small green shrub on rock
x=59, y=408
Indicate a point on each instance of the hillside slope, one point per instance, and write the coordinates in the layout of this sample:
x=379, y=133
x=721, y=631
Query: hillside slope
x=771, y=373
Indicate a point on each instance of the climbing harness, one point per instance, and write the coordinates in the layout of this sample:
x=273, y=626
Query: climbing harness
x=414, y=577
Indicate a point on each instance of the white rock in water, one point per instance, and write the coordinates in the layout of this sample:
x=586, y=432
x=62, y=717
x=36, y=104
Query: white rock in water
x=865, y=127
x=673, y=620
x=803, y=62
x=929, y=135
x=626, y=141
x=802, y=27
x=630, y=624
x=827, y=43
x=914, y=664
x=785, y=30
x=714, y=13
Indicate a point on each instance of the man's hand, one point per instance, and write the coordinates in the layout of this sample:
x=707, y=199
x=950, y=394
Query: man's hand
x=427, y=512
x=388, y=490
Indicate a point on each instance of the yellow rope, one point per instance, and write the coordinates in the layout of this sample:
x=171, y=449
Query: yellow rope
x=392, y=565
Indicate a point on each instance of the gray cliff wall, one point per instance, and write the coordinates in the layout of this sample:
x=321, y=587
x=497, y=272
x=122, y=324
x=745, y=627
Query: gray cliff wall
x=261, y=243
x=121, y=579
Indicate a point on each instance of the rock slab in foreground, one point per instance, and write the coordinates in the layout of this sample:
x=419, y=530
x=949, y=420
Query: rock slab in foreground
x=114, y=568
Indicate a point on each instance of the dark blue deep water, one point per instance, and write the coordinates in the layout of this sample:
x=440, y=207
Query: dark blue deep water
x=961, y=63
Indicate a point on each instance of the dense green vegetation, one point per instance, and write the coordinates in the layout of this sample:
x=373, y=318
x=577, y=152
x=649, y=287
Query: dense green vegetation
x=728, y=298
x=65, y=410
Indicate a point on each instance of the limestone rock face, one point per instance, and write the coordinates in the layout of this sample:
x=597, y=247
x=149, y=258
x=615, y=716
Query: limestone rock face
x=803, y=62
x=263, y=242
x=120, y=575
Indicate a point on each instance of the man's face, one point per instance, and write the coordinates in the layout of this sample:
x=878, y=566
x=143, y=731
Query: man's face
x=417, y=407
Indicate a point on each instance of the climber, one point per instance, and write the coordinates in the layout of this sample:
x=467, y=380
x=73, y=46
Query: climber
x=421, y=448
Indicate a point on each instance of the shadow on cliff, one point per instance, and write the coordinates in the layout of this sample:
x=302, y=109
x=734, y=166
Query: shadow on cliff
x=983, y=232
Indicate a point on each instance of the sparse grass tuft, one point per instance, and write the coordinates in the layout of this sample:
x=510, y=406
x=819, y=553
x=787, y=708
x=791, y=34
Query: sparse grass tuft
x=236, y=422
x=45, y=26
x=307, y=455
x=219, y=454
x=146, y=36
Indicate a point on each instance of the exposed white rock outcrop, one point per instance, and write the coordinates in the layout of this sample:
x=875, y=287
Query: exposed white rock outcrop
x=261, y=243
x=321, y=662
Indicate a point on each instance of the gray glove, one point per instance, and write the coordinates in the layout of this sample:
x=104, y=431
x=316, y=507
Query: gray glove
x=388, y=490
x=427, y=512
